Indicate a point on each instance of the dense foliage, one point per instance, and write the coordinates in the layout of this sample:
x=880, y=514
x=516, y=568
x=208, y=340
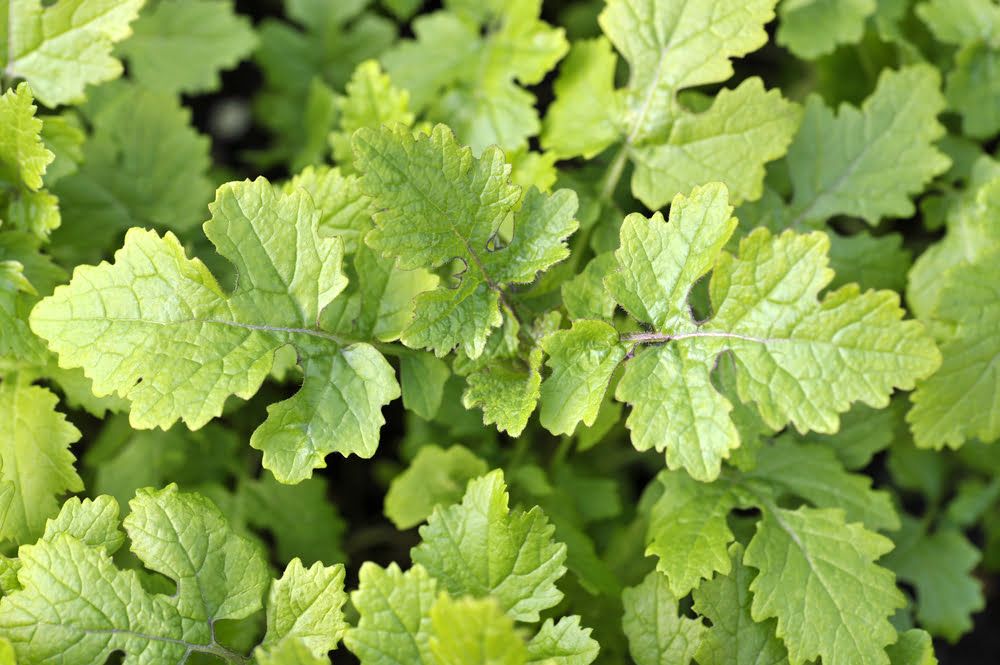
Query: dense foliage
x=662, y=330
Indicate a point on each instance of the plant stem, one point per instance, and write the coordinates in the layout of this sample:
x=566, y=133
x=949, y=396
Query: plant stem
x=614, y=173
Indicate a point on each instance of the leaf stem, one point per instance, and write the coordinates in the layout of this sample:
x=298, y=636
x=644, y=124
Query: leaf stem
x=614, y=173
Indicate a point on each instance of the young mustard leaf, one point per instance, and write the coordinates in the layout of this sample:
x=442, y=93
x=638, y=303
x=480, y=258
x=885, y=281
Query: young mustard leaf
x=422, y=378
x=516, y=560
x=811, y=28
x=101, y=609
x=657, y=633
x=473, y=631
x=464, y=67
x=182, y=358
x=395, y=618
x=939, y=565
x=435, y=477
x=582, y=361
x=305, y=604
x=507, y=392
x=868, y=163
x=36, y=466
x=61, y=47
x=874, y=262
x=371, y=101
x=586, y=115
x=688, y=531
x=672, y=45
x=563, y=643
x=913, y=648
x=813, y=473
x=438, y=203
x=814, y=567
x=289, y=651
x=962, y=399
x=180, y=47
x=25, y=273
x=798, y=359
x=303, y=66
x=24, y=160
x=127, y=180
x=345, y=212
x=735, y=636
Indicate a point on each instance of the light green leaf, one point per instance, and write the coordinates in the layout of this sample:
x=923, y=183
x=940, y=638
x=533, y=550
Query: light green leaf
x=371, y=101
x=181, y=46
x=913, y=648
x=422, y=377
x=345, y=212
x=960, y=22
x=813, y=569
x=813, y=473
x=506, y=390
x=731, y=141
x=39, y=39
x=23, y=155
x=671, y=45
x=101, y=609
x=305, y=604
x=734, y=635
x=563, y=643
x=435, y=477
x=94, y=522
x=656, y=634
x=289, y=651
x=811, y=28
x=962, y=399
x=473, y=631
x=36, y=466
x=688, y=531
x=972, y=89
x=208, y=345
x=586, y=115
x=395, y=622
x=480, y=547
x=939, y=565
x=438, y=203
x=466, y=69
x=868, y=163
x=582, y=361
x=584, y=296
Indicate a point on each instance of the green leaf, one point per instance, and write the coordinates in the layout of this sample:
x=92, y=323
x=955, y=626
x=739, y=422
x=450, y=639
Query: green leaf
x=868, y=163
x=371, y=101
x=688, y=531
x=972, y=89
x=657, y=635
x=671, y=46
x=289, y=651
x=507, y=391
x=734, y=635
x=23, y=155
x=811, y=28
x=182, y=362
x=305, y=604
x=422, y=377
x=962, y=399
x=473, y=631
x=94, y=522
x=36, y=466
x=730, y=141
x=62, y=47
x=467, y=69
x=345, y=212
x=939, y=565
x=813, y=569
x=435, y=477
x=798, y=359
x=960, y=21
x=395, y=618
x=437, y=204
x=582, y=361
x=101, y=609
x=563, y=643
x=480, y=547
x=874, y=262
x=181, y=46
x=913, y=648
x=584, y=119
x=126, y=179
x=813, y=473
